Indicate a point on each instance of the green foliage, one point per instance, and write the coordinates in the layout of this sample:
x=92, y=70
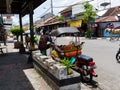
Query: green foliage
x=37, y=30
x=60, y=18
x=88, y=34
x=8, y=32
x=89, y=17
x=16, y=31
x=35, y=39
x=89, y=13
x=66, y=62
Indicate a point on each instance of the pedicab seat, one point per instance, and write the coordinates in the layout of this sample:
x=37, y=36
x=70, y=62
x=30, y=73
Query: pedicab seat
x=85, y=58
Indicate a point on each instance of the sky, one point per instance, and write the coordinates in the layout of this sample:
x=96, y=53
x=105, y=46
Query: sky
x=59, y=5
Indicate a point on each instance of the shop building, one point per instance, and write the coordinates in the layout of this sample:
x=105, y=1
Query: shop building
x=110, y=16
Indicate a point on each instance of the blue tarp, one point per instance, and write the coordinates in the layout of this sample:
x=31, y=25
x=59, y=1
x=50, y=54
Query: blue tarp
x=107, y=34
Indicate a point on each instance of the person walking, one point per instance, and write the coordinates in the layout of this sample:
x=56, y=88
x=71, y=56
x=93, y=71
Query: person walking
x=27, y=40
x=44, y=39
x=3, y=36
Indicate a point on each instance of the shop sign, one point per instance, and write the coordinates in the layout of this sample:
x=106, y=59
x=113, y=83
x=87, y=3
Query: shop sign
x=76, y=23
x=78, y=9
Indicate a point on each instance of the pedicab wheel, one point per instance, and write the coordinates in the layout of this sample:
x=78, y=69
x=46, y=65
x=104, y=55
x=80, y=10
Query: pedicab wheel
x=118, y=57
x=86, y=76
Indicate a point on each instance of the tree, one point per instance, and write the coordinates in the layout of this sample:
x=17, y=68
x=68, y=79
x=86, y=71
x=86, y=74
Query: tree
x=60, y=18
x=16, y=31
x=89, y=17
x=89, y=13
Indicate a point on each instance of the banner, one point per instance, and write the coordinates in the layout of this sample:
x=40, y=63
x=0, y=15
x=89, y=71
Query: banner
x=76, y=23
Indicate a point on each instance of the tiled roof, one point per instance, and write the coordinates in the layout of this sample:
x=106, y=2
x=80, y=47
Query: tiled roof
x=49, y=20
x=112, y=11
x=106, y=19
x=66, y=9
x=110, y=15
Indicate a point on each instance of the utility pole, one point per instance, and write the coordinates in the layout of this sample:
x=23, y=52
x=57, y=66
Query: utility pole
x=51, y=7
x=110, y=3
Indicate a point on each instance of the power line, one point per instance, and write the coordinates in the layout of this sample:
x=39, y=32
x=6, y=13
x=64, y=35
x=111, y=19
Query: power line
x=43, y=13
x=46, y=11
x=61, y=7
x=51, y=7
x=72, y=4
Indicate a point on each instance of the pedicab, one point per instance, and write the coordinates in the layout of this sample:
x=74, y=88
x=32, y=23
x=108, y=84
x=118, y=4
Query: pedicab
x=71, y=49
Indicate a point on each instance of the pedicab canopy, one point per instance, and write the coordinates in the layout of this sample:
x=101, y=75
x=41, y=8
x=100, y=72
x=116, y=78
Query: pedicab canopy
x=66, y=31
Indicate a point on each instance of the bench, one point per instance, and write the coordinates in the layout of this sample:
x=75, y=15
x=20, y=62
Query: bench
x=1, y=49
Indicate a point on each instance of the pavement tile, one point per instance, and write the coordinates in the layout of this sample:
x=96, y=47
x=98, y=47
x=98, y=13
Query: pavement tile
x=16, y=74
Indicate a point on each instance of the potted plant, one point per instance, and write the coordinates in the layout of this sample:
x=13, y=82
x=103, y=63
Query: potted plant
x=16, y=32
x=66, y=62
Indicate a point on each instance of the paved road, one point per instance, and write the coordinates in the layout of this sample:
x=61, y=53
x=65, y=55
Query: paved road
x=103, y=52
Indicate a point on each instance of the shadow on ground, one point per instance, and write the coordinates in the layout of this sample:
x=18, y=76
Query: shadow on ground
x=93, y=84
x=12, y=75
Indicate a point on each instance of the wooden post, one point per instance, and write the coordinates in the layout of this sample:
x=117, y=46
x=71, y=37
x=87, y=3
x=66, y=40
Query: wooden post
x=22, y=48
x=32, y=47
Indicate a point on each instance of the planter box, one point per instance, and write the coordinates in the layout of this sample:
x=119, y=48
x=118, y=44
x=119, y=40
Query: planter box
x=55, y=74
x=16, y=44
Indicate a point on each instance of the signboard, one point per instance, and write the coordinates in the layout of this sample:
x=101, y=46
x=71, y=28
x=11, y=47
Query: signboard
x=8, y=17
x=78, y=9
x=8, y=20
x=4, y=15
x=76, y=23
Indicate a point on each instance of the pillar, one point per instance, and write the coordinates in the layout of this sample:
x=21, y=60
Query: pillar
x=22, y=48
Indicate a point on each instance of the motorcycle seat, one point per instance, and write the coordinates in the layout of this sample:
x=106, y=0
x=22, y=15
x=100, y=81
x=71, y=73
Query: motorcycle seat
x=85, y=58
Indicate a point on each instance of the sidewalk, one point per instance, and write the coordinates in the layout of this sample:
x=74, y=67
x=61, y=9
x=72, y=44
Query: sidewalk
x=16, y=74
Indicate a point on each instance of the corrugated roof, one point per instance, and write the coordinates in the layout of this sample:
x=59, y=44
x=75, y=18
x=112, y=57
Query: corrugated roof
x=17, y=6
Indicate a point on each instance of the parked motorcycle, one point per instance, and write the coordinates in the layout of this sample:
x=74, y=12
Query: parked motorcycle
x=85, y=65
x=118, y=55
x=82, y=63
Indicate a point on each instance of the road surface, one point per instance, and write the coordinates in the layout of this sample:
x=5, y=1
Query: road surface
x=103, y=52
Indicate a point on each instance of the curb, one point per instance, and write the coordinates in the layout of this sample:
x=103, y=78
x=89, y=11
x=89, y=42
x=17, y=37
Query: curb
x=94, y=38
